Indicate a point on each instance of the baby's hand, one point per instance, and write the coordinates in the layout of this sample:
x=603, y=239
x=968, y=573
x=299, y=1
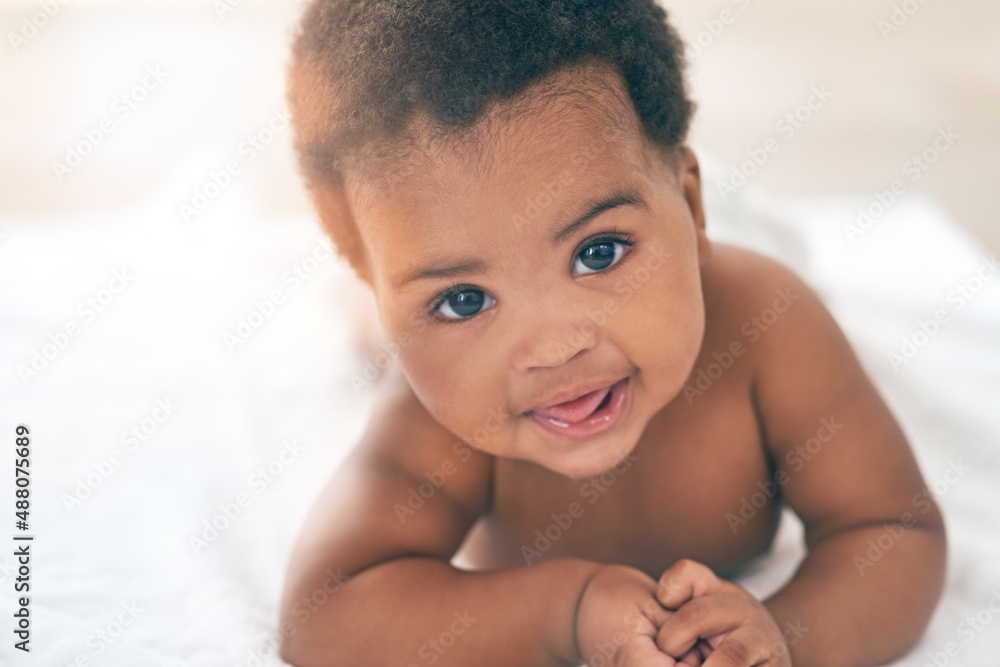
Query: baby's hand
x=716, y=620
x=618, y=620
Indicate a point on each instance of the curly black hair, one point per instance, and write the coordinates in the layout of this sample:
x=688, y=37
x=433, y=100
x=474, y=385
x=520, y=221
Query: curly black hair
x=362, y=70
x=373, y=63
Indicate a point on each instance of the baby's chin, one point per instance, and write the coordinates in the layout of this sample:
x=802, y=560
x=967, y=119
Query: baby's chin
x=583, y=460
x=582, y=468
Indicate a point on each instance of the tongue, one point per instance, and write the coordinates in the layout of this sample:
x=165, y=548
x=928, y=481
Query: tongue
x=577, y=409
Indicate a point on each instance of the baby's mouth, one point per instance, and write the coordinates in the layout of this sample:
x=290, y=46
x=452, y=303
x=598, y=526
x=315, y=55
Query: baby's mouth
x=578, y=409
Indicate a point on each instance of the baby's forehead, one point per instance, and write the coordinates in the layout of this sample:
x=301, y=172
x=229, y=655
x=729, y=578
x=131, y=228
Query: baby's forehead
x=586, y=99
x=564, y=142
x=440, y=214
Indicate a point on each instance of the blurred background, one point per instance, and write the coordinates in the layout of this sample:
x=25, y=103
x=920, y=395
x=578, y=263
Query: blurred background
x=194, y=363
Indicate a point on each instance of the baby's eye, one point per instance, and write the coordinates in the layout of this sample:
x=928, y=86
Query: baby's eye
x=464, y=304
x=599, y=256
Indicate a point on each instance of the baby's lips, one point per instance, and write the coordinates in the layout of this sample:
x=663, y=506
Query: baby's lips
x=576, y=410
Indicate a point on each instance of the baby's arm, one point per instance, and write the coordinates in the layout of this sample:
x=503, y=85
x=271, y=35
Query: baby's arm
x=848, y=472
x=397, y=600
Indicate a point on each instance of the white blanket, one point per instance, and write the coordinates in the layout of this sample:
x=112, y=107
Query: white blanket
x=155, y=413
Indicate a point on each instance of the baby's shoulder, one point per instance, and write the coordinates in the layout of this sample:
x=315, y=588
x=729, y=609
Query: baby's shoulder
x=762, y=306
x=748, y=293
x=738, y=281
x=404, y=439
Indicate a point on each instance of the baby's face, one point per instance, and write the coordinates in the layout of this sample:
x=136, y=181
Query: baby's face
x=564, y=264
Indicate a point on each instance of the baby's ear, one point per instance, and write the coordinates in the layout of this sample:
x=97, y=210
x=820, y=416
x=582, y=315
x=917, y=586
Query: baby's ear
x=689, y=182
x=704, y=246
x=329, y=196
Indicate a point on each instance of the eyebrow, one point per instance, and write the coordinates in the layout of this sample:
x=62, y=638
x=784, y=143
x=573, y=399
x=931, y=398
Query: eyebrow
x=618, y=197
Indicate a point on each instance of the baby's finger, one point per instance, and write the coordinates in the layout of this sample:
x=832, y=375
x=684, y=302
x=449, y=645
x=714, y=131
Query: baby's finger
x=742, y=647
x=703, y=649
x=692, y=657
x=648, y=619
x=684, y=580
x=706, y=646
x=700, y=618
x=656, y=613
x=642, y=652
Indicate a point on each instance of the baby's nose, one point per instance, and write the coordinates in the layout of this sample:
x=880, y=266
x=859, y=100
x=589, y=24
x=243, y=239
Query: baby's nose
x=555, y=342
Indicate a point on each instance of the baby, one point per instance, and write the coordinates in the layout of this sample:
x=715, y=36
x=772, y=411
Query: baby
x=595, y=410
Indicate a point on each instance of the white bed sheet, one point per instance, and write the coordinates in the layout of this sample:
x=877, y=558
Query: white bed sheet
x=125, y=553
